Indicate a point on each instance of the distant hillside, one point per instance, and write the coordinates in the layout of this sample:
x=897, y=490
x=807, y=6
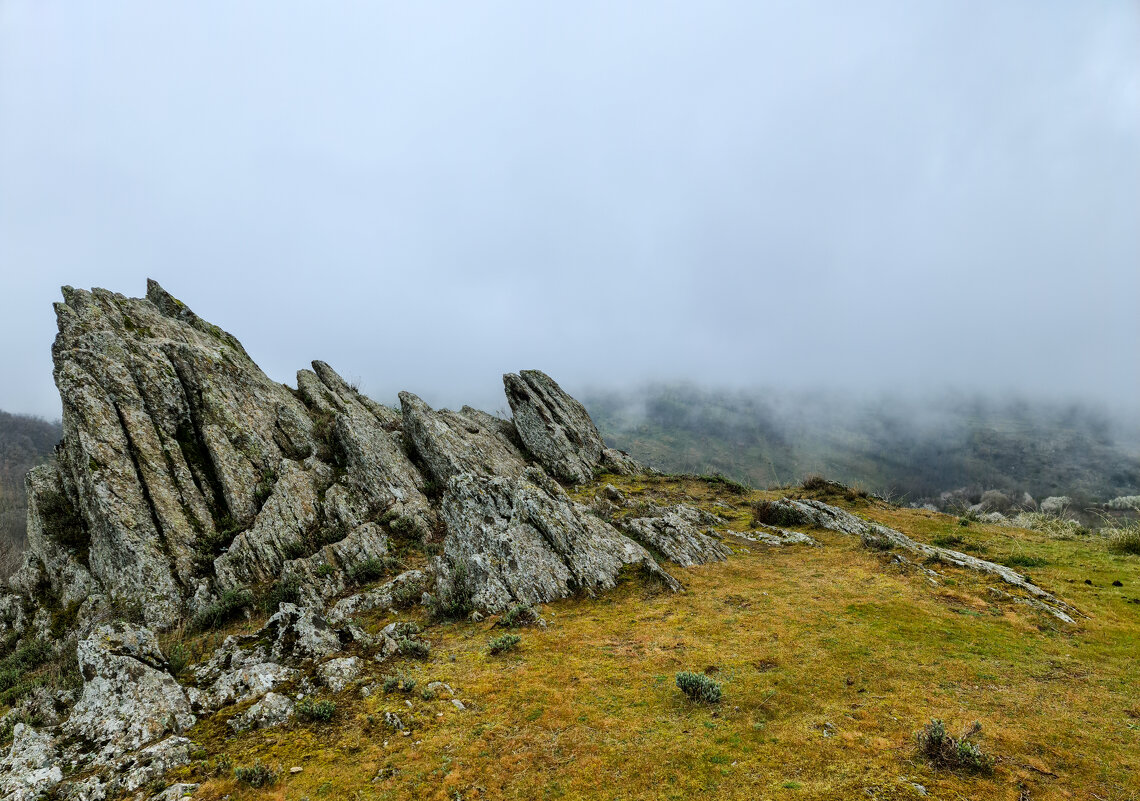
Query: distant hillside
x=913, y=450
x=24, y=443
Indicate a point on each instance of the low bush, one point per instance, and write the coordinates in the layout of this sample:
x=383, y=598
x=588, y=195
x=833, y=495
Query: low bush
x=413, y=649
x=454, y=600
x=285, y=591
x=500, y=645
x=518, y=616
x=699, y=687
x=372, y=569
x=774, y=513
x=229, y=606
x=399, y=682
x=876, y=542
x=954, y=753
x=322, y=711
x=256, y=775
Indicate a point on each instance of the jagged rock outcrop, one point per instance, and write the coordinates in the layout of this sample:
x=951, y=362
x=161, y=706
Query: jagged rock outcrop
x=31, y=767
x=557, y=430
x=676, y=534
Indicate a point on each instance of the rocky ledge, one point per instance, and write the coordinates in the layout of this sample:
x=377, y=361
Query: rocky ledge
x=188, y=483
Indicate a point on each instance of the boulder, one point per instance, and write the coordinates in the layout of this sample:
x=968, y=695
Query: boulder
x=675, y=533
x=128, y=698
x=336, y=674
x=272, y=710
x=30, y=769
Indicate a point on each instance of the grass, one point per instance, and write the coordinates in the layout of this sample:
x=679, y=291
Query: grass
x=834, y=657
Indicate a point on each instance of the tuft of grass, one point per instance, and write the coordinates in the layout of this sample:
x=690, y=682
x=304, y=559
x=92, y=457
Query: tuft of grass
x=953, y=753
x=1125, y=540
x=372, y=569
x=699, y=687
x=500, y=645
x=256, y=775
x=518, y=616
x=1024, y=560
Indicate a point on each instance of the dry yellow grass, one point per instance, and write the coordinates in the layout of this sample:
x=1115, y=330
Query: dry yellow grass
x=830, y=658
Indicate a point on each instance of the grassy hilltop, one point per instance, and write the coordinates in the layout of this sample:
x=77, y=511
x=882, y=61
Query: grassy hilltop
x=830, y=659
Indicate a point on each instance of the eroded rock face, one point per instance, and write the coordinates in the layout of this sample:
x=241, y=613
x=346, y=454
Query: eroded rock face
x=676, y=533
x=272, y=710
x=128, y=699
x=29, y=770
x=554, y=427
x=522, y=540
x=186, y=473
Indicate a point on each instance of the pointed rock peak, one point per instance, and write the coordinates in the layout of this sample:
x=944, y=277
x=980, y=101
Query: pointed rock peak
x=553, y=426
x=167, y=303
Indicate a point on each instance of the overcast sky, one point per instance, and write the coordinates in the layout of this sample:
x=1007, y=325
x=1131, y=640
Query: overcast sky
x=887, y=196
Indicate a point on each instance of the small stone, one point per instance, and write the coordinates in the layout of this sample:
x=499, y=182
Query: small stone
x=458, y=704
x=296, y=769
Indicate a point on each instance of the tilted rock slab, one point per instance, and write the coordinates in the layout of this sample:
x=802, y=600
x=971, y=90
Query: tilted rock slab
x=524, y=541
x=675, y=533
x=835, y=519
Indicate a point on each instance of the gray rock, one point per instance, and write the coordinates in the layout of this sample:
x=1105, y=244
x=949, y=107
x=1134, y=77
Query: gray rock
x=272, y=710
x=457, y=443
x=128, y=700
x=175, y=792
x=300, y=635
x=169, y=426
x=524, y=541
x=237, y=671
x=553, y=427
x=382, y=597
x=336, y=674
x=820, y=514
x=134, y=771
x=674, y=533
x=30, y=769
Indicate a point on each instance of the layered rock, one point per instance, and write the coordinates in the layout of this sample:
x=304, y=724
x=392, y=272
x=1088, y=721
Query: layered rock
x=187, y=479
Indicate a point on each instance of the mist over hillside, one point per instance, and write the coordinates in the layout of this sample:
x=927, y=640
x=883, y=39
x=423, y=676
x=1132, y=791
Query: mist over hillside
x=25, y=442
x=908, y=448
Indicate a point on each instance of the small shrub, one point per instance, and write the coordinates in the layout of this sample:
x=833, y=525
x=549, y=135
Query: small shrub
x=322, y=711
x=500, y=645
x=406, y=628
x=777, y=514
x=371, y=569
x=947, y=540
x=399, y=682
x=413, y=649
x=518, y=616
x=945, y=751
x=229, y=606
x=285, y=591
x=324, y=570
x=178, y=659
x=876, y=542
x=454, y=602
x=720, y=480
x=257, y=775
x=407, y=594
x=699, y=687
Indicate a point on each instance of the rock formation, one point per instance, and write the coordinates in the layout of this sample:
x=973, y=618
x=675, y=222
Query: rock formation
x=188, y=480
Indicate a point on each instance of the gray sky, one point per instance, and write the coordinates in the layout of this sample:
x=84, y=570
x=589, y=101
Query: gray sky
x=862, y=196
